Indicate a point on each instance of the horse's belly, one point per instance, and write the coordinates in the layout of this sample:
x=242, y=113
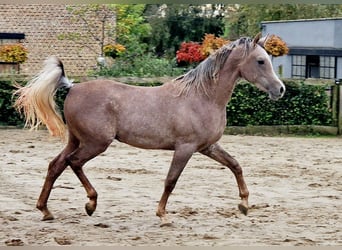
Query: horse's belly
x=147, y=138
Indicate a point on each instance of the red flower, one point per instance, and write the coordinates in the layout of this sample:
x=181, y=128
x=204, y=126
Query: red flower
x=189, y=53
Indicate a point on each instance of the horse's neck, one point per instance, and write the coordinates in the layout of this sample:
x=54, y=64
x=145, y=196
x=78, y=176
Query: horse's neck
x=224, y=87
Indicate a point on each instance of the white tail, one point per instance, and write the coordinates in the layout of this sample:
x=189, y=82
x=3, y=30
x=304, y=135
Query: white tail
x=36, y=99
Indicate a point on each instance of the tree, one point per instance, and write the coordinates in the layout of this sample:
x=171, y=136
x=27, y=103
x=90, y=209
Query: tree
x=173, y=24
x=108, y=24
x=97, y=26
x=246, y=18
x=132, y=29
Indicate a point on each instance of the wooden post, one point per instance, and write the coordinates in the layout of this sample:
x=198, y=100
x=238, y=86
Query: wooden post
x=339, y=109
x=334, y=104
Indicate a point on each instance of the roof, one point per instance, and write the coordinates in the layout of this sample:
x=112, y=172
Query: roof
x=303, y=20
x=319, y=51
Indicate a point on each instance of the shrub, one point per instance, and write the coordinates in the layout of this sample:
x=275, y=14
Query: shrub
x=8, y=115
x=193, y=52
x=16, y=53
x=114, y=50
x=275, y=46
x=211, y=43
x=302, y=104
x=145, y=66
x=189, y=53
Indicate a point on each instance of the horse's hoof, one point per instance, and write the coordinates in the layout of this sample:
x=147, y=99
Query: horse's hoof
x=89, y=208
x=48, y=217
x=166, y=224
x=243, y=208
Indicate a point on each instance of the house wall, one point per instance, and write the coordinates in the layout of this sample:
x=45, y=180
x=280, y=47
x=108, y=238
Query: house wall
x=338, y=34
x=282, y=62
x=41, y=24
x=313, y=33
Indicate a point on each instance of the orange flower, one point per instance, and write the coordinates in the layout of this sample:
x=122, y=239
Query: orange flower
x=275, y=46
x=13, y=53
x=211, y=43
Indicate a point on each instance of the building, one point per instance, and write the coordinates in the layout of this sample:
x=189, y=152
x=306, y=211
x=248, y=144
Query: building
x=315, y=48
x=38, y=27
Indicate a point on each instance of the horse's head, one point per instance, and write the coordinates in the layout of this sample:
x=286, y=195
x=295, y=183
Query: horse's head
x=256, y=67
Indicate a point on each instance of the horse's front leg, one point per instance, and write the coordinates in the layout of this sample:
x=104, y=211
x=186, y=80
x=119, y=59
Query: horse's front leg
x=180, y=159
x=219, y=154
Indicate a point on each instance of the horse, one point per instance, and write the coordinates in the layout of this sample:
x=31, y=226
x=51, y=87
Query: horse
x=186, y=115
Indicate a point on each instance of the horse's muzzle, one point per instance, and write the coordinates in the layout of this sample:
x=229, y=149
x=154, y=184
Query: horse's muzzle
x=279, y=93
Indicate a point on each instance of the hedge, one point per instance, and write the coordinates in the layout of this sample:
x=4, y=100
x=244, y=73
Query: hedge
x=302, y=105
x=8, y=115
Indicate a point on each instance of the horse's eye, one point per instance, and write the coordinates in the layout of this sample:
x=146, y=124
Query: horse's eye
x=261, y=62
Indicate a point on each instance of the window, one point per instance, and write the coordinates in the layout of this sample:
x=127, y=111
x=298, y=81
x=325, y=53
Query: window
x=312, y=66
x=298, y=66
x=6, y=38
x=327, y=67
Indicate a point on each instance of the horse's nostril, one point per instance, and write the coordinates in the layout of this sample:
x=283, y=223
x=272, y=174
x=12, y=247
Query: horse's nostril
x=282, y=90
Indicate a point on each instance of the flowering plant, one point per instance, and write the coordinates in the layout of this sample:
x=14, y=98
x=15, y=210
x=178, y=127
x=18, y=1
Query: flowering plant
x=193, y=52
x=211, y=43
x=13, y=53
x=275, y=46
x=114, y=50
x=189, y=52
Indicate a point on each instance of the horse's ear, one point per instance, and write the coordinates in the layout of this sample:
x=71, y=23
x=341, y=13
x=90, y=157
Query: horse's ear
x=257, y=38
x=263, y=40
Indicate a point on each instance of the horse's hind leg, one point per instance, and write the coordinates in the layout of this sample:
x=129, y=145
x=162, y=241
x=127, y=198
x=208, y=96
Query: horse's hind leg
x=77, y=159
x=56, y=167
x=219, y=154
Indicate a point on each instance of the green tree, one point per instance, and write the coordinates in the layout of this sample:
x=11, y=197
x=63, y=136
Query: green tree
x=173, y=24
x=132, y=29
x=97, y=22
x=245, y=19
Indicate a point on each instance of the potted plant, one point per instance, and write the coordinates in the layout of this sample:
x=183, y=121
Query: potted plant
x=11, y=55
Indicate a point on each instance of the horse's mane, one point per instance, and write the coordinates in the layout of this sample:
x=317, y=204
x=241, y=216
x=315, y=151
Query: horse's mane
x=206, y=72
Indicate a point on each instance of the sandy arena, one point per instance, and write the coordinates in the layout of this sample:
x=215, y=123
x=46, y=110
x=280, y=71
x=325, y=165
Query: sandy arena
x=295, y=199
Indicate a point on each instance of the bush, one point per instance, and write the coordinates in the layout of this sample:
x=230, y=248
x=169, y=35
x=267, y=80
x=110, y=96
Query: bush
x=211, y=43
x=302, y=104
x=189, y=53
x=147, y=66
x=16, y=53
x=113, y=50
x=8, y=115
